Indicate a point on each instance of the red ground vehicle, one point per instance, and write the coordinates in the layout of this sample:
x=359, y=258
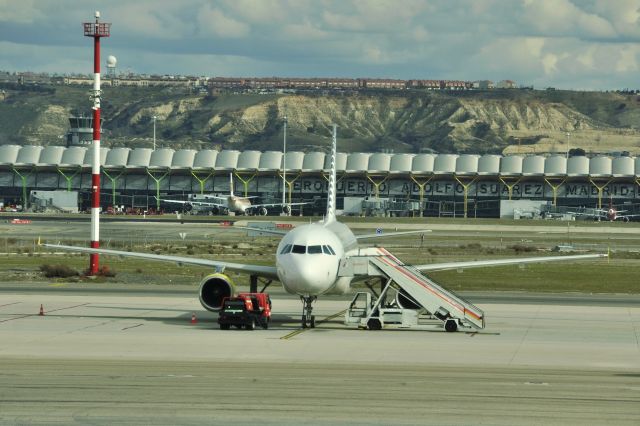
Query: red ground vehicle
x=245, y=310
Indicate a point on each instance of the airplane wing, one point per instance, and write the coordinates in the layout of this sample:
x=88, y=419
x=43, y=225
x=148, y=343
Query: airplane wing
x=503, y=262
x=215, y=197
x=265, y=231
x=277, y=204
x=391, y=234
x=196, y=203
x=260, y=270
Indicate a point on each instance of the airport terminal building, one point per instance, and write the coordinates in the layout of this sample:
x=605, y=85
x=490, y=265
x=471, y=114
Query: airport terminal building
x=427, y=184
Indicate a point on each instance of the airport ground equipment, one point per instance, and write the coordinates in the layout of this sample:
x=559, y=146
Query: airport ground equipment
x=246, y=310
x=417, y=300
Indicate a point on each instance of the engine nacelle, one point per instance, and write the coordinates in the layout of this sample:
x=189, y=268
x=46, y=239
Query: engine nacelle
x=263, y=211
x=188, y=207
x=405, y=301
x=286, y=209
x=213, y=289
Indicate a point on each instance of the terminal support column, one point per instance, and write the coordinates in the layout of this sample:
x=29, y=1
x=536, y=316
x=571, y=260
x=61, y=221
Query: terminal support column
x=201, y=181
x=113, y=185
x=377, y=183
x=68, y=178
x=23, y=178
x=505, y=182
x=554, y=188
x=157, y=181
x=245, y=181
x=421, y=184
x=600, y=188
x=289, y=183
x=466, y=190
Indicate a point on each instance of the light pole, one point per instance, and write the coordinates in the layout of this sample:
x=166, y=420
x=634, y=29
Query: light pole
x=284, y=163
x=154, y=132
x=568, y=134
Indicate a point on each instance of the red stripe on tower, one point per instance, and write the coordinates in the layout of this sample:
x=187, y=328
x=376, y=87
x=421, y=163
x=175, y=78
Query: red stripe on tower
x=96, y=30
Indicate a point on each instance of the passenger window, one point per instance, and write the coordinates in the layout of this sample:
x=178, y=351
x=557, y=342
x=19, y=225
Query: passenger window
x=314, y=250
x=325, y=249
x=299, y=249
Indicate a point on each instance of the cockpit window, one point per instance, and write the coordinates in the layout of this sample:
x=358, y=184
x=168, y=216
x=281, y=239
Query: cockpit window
x=331, y=250
x=325, y=249
x=299, y=249
x=286, y=249
x=314, y=249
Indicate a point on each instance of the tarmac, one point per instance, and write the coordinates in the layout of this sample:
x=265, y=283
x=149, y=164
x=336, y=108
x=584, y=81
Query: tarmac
x=108, y=353
x=128, y=357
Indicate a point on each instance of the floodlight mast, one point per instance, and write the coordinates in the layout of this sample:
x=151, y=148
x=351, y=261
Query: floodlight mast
x=284, y=164
x=96, y=30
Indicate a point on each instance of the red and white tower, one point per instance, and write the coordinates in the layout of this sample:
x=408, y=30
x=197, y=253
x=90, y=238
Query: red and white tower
x=96, y=30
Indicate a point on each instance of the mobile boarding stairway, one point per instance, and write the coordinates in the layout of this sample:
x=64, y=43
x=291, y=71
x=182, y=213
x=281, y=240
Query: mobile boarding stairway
x=409, y=283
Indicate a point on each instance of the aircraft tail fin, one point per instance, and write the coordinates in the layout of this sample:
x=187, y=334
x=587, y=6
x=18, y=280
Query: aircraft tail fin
x=331, y=201
x=231, y=184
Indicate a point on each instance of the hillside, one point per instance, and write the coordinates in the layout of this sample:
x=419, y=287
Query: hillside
x=499, y=121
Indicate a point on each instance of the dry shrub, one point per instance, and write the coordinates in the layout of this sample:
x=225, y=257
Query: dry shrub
x=520, y=248
x=58, y=271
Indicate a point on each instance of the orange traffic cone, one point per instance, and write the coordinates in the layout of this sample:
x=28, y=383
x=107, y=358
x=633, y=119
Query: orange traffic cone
x=193, y=318
x=41, y=310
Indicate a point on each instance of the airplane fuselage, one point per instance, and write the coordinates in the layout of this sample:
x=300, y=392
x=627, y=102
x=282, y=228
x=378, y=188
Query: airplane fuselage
x=308, y=258
x=238, y=205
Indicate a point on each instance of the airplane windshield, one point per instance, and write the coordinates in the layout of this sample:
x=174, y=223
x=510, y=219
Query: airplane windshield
x=286, y=249
x=300, y=249
x=314, y=249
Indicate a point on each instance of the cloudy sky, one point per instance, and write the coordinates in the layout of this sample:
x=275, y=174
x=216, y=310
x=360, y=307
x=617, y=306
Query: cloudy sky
x=570, y=44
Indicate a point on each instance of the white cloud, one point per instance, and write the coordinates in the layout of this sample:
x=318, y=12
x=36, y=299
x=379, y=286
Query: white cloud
x=550, y=63
x=212, y=21
x=628, y=60
x=24, y=11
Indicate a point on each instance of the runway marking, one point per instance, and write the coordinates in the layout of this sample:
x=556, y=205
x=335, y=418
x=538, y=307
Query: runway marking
x=302, y=330
x=46, y=312
x=8, y=304
x=294, y=333
x=133, y=326
x=481, y=333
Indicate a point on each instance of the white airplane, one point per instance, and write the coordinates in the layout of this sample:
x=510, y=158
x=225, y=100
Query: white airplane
x=309, y=258
x=232, y=203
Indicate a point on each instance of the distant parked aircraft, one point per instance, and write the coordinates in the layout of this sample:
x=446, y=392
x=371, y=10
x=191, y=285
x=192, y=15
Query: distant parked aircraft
x=232, y=203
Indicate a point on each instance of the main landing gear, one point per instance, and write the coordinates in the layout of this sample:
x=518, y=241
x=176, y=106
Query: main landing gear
x=308, y=320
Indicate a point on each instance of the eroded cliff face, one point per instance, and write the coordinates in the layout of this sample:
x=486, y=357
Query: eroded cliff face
x=403, y=122
x=412, y=122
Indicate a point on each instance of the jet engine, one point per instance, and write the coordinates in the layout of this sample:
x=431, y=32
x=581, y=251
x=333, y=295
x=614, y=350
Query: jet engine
x=263, y=211
x=213, y=289
x=286, y=209
x=405, y=301
x=188, y=207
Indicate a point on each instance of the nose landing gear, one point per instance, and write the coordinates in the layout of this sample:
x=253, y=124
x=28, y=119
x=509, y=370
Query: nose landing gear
x=308, y=320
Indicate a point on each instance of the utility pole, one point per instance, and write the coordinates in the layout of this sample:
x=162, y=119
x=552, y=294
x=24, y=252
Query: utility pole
x=154, y=132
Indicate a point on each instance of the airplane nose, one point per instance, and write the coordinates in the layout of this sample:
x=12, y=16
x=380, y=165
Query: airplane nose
x=306, y=276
